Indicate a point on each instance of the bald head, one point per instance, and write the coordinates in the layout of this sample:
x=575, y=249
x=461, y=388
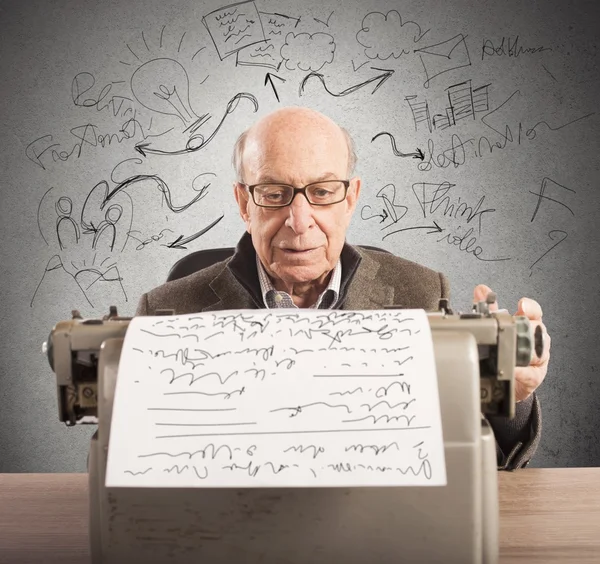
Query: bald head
x=288, y=126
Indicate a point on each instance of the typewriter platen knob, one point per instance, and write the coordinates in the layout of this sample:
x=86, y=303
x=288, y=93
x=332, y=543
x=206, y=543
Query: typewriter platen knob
x=524, y=341
x=538, y=338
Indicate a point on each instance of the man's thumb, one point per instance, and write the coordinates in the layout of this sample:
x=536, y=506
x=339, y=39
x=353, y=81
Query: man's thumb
x=480, y=293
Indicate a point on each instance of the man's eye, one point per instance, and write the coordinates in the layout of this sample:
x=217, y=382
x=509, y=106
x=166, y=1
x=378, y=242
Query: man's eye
x=273, y=196
x=321, y=192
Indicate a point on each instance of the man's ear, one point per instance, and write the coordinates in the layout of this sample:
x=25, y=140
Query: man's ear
x=242, y=198
x=353, y=193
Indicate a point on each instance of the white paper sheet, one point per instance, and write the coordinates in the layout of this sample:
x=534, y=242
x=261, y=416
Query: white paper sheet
x=265, y=398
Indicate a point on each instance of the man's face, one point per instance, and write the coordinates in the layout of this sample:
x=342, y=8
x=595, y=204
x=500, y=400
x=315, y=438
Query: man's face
x=300, y=243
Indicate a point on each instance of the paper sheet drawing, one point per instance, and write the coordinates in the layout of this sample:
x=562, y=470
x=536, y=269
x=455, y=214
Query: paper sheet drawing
x=234, y=27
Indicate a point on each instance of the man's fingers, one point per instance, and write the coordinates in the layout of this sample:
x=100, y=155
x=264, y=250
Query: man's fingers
x=529, y=378
x=480, y=294
x=529, y=308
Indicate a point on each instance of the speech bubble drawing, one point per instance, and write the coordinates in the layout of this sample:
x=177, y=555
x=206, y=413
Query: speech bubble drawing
x=308, y=52
x=386, y=35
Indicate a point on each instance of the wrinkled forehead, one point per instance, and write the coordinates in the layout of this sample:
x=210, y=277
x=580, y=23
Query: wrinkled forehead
x=297, y=148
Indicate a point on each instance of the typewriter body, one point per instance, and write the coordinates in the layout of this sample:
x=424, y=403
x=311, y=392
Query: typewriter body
x=475, y=356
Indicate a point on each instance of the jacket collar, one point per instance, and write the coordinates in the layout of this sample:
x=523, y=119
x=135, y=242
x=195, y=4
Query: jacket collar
x=364, y=293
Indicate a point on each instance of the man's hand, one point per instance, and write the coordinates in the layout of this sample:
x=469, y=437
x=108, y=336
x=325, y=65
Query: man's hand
x=527, y=378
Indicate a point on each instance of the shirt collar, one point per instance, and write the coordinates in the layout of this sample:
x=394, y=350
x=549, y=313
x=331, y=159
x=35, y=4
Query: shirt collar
x=273, y=298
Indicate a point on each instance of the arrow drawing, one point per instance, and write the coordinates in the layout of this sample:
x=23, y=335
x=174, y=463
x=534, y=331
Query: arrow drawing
x=325, y=23
x=416, y=155
x=355, y=68
x=144, y=148
x=383, y=215
x=181, y=241
x=380, y=79
x=435, y=229
x=269, y=78
x=162, y=187
x=197, y=140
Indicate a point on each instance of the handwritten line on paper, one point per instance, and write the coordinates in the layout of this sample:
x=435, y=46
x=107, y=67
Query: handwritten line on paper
x=222, y=424
x=186, y=409
x=295, y=432
x=357, y=375
x=256, y=388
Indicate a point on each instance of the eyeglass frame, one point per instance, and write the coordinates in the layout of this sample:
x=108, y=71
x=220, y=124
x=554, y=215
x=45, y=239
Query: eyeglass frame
x=297, y=191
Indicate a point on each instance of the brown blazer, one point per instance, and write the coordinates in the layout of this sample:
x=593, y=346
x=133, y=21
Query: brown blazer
x=370, y=280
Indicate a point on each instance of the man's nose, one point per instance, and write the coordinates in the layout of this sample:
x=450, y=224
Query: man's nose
x=300, y=214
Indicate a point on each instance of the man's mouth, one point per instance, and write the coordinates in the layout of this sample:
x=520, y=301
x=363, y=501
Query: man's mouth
x=298, y=251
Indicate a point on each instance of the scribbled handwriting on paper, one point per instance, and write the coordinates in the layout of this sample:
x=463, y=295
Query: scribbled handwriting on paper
x=251, y=399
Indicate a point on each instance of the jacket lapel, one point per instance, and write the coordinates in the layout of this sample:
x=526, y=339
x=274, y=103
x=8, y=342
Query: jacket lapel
x=367, y=291
x=229, y=293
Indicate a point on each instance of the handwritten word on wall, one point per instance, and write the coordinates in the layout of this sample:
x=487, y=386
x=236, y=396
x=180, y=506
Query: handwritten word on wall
x=265, y=399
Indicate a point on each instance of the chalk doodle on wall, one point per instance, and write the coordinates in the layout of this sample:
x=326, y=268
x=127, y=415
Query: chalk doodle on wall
x=557, y=194
x=386, y=35
x=143, y=123
x=268, y=54
x=379, y=79
x=196, y=140
x=234, y=27
x=464, y=102
x=444, y=57
x=105, y=227
x=170, y=94
x=90, y=230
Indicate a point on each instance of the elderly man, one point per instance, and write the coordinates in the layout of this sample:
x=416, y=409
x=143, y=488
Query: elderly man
x=296, y=196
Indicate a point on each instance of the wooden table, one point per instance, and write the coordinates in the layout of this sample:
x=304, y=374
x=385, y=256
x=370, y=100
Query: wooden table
x=546, y=515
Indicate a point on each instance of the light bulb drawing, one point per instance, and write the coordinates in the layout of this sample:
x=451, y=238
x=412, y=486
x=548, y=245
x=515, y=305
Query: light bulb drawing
x=162, y=85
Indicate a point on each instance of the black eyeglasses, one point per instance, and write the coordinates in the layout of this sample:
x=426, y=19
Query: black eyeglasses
x=276, y=195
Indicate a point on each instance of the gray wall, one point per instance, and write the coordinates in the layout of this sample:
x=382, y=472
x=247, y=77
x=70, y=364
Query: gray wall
x=500, y=97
